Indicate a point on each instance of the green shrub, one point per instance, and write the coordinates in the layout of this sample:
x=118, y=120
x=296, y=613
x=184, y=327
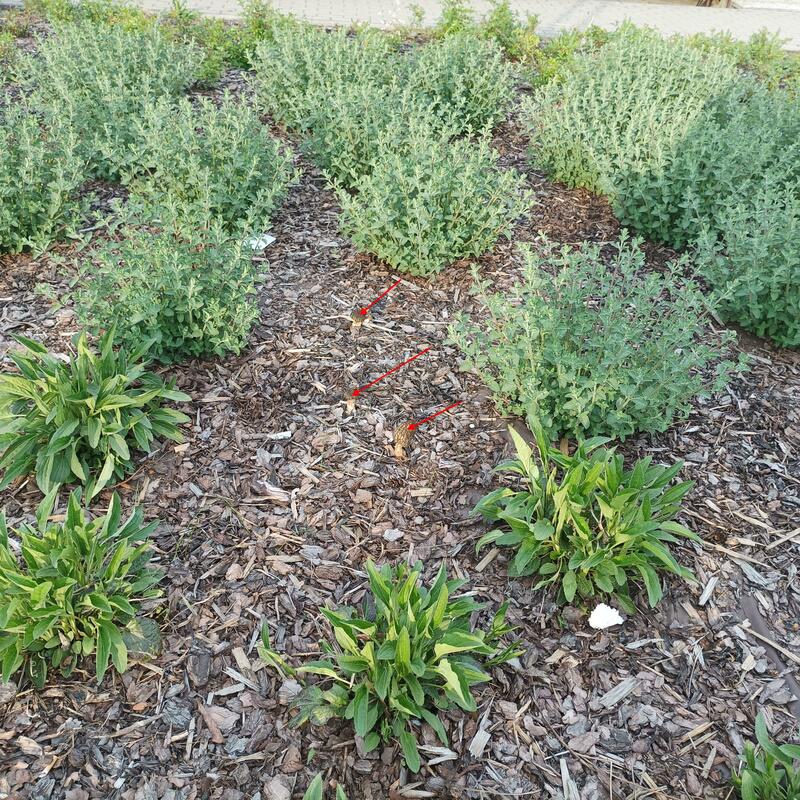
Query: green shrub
x=409, y=652
x=554, y=59
x=77, y=420
x=598, y=349
x=463, y=80
x=73, y=591
x=517, y=38
x=456, y=18
x=97, y=12
x=300, y=60
x=755, y=267
x=431, y=203
x=621, y=112
x=208, y=161
x=101, y=79
x=186, y=291
x=585, y=524
x=769, y=772
x=40, y=173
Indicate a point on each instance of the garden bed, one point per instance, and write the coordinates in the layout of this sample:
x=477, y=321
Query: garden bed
x=286, y=484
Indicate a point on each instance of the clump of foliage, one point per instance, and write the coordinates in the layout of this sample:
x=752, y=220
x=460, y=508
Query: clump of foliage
x=183, y=290
x=101, y=79
x=755, y=264
x=762, y=55
x=584, y=523
x=431, y=203
x=464, y=81
x=620, y=111
x=73, y=590
x=597, y=349
x=316, y=790
x=97, y=12
x=210, y=161
x=409, y=652
x=40, y=173
x=77, y=420
x=553, y=60
x=770, y=771
x=299, y=60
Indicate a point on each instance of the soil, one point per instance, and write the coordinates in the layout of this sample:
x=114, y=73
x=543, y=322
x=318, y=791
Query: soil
x=286, y=484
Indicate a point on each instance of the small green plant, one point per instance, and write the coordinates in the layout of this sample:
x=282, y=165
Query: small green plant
x=770, y=771
x=432, y=202
x=553, y=60
x=210, y=161
x=598, y=349
x=517, y=38
x=182, y=290
x=316, y=790
x=77, y=420
x=101, y=79
x=410, y=651
x=457, y=17
x=585, y=524
x=463, y=80
x=98, y=12
x=72, y=589
x=299, y=60
x=40, y=173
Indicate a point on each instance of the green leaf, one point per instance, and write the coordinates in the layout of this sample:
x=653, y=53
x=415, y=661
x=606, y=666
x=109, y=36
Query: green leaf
x=315, y=789
x=361, y=710
x=569, y=585
x=408, y=744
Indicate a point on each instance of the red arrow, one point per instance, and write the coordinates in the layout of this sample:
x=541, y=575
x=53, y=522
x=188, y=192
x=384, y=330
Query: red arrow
x=358, y=391
x=379, y=298
x=414, y=425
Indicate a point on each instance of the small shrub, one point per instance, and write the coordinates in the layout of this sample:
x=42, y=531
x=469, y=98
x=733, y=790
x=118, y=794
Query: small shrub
x=585, y=524
x=517, y=38
x=621, y=111
x=101, y=79
x=432, y=203
x=769, y=772
x=554, y=60
x=598, y=349
x=457, y=17
x=98, y=12
x=184, y=291
x=300, y=60
x=211, y=162
x=77, y=420
x=409, y=652
x=463, y=80
x=755, y=266
x=40, y=173
x=73, y=591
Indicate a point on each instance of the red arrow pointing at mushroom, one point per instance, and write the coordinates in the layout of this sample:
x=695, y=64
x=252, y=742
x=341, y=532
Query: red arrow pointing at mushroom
x=414, y=425
x=360, y=389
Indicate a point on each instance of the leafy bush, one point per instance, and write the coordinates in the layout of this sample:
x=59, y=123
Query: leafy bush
x=585, y=524
x=184, y=291
x=408, y=651
x=211, y=161
x=98, y=12
x=299, y=60
x=598, y=349
x=456, y=18
x=77, y=420
x=756, y=265
x=316, y=790
x=771, y=771
x=621, y=111
x=554, y=59
x=463, y=80
x=432, y=203
x=101, y=79
x=73, y=591
x=40, y=173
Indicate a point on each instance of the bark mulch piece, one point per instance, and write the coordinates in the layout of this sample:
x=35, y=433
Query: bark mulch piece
x=285, y=486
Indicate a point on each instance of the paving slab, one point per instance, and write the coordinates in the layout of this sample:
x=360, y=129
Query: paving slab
x=554, y=15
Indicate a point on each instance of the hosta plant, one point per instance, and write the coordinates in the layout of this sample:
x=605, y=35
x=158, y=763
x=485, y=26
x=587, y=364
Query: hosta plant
x=76, y=420
x=100, y=79
x=211, y=161
x=598, y=348
x=432, y=202
x=585, y=524
x=40, y=174
x=409, y=652
x=71, y=589
x=770, y=771
x=184, y=290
